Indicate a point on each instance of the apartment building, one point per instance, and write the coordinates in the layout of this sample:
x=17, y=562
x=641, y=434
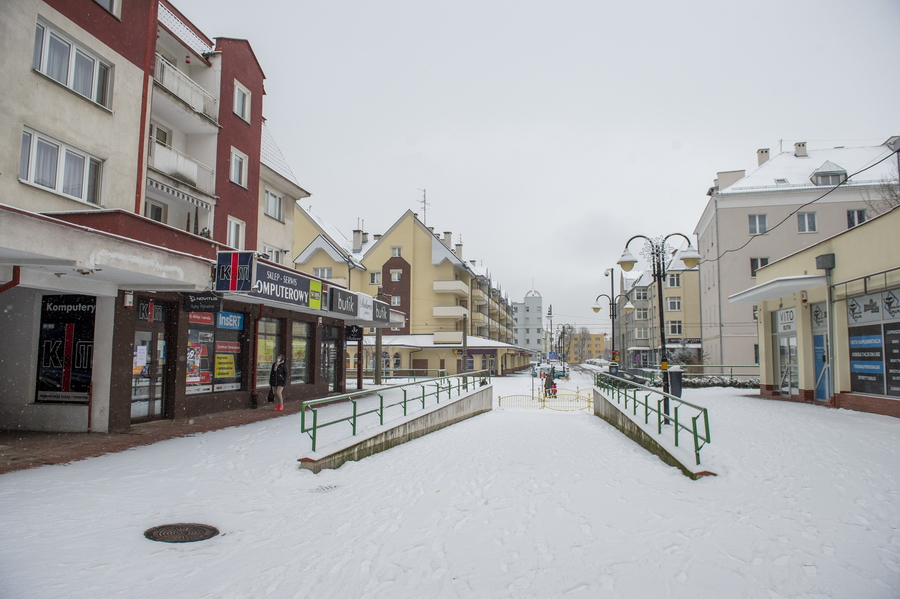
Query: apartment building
x=143, y=167
x=451, y=306
x=528, y=330
x=790, y=201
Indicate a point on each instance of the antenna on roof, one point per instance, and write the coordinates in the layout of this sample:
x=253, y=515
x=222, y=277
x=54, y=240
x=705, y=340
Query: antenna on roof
x=425, y=206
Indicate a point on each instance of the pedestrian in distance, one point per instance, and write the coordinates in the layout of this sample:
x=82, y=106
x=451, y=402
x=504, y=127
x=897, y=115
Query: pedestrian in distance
x=548, y=386
x=277, y=378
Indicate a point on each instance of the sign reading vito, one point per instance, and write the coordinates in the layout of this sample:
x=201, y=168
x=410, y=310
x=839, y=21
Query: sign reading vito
x=66, y=348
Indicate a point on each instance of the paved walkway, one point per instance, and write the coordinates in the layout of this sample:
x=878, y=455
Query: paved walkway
x=21, y=450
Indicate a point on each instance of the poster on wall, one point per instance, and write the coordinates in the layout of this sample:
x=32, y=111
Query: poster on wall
x=892, y=358
x=66, y=348
x=866, y=359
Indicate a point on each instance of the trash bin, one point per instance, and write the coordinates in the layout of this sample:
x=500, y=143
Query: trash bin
x=614, y=368
x=675, y=381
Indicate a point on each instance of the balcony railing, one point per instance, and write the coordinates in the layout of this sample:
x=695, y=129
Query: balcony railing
x=449, y=311
x=177, y=82
x=182, y=167
x=458, y=288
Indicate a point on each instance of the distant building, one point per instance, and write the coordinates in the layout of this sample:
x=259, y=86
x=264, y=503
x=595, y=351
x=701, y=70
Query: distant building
x=788, y=203
x=529, y=329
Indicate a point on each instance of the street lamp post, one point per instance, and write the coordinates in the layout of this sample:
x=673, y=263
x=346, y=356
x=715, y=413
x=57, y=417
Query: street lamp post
x=612, y=297
x=550, y=316
x=657, y=251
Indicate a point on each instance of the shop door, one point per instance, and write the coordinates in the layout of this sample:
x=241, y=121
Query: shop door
x=787, y=366
x=820, y=343
x=329, y=363
x=148, y=380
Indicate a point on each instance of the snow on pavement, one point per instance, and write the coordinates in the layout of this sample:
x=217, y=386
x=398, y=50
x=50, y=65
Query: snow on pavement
x=522, y=504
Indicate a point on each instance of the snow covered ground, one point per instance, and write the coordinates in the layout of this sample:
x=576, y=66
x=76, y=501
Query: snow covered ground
x=524, y=504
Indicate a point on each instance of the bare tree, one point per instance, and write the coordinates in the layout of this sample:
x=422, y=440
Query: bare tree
x=885, y=196
x=581, y=340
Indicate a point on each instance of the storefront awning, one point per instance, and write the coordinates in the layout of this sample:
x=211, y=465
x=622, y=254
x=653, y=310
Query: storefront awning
x=777, y=288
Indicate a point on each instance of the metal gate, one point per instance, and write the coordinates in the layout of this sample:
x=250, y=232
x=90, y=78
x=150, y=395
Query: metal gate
x=565, y=400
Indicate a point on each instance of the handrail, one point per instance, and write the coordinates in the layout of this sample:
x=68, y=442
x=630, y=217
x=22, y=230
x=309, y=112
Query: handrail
x=180, y=84
x=619, y=389
x=444, y=384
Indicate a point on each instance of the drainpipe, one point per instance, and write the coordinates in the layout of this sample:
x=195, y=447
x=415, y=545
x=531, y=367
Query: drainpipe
x=17, y=272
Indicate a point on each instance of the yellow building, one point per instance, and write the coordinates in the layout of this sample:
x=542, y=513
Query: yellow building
x=840, y=348
x=584, y=345
x=449, y=303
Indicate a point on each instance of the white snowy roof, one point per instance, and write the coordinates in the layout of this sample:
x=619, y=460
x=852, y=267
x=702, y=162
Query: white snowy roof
x=271, y=156
x=788, y=171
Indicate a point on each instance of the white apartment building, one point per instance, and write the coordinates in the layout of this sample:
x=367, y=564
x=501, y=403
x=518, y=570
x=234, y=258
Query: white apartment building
x=791, y=201
x=529, y=327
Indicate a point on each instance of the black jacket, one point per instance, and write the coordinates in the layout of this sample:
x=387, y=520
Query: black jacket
x=278, y=376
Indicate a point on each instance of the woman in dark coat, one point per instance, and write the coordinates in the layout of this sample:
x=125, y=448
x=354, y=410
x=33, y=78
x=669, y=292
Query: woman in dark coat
x=277, y=378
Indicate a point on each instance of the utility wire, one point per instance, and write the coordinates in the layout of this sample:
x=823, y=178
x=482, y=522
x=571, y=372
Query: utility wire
x=799, y=208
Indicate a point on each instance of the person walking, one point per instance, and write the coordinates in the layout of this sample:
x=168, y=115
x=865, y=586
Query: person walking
x=548, y=385
x=277, y=378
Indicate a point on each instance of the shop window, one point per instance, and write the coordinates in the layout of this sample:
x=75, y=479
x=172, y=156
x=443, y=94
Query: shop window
x=215, y=352
x=397, y=361
x=300, y=344
x=268, y=345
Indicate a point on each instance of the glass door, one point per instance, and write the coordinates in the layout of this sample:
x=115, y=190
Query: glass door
x=789, y=382
x=148, y=380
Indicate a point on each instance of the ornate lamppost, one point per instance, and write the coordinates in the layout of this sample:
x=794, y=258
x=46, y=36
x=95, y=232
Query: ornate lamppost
x=657, y=251
x=612, y=297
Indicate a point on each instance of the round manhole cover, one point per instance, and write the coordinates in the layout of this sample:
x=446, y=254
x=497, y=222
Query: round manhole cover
x=181, y=533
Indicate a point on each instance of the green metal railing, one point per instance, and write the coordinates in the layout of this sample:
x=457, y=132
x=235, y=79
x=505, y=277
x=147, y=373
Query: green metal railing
x=442, y=387
x=751, y=371
x=623, y=392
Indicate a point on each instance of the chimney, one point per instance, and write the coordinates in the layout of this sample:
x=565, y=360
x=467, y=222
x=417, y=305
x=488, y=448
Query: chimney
x=800, y=149
x=365, y=237
x=762, y=156
x=458, y=251
x=377, y=236
x=357, y=239
x=472, y=262
x=432, y=230
x=448, y=239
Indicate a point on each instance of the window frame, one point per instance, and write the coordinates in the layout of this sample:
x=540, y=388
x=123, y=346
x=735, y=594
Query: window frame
x=237, y=154
x=642, y=333
x=91, y=171
x=396, y=301
x=673, y=279
x=756, y=264
x=642, y=313
x=375, y=277
x=273, y=252
x=673, y=301
x=396, y=276
x=641, y=294
x=323, y=272
x=270, y=198
x=674, y=327
x=758, y=224
x=396, y=251
x=244, y=112
x=804, y=219
x=150, y=204
x=853, y=215
x=236, y=224
x=101, y=71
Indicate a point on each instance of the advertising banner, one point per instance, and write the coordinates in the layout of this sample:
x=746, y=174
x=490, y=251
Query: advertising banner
x=866, y=359
x=234, y=271
x=866, y=308
x=287, y=287
x=892, y=358
x=382, y=312
x=201, y=302
x=343, y=302
x=65, y=348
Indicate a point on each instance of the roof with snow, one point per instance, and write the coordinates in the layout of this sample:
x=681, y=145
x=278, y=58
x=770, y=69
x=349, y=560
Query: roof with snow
x=789, y=171
x=271, y=156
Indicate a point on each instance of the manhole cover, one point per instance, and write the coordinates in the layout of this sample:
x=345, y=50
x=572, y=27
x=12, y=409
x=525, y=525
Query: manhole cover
x=181, y=533
x=323, y=489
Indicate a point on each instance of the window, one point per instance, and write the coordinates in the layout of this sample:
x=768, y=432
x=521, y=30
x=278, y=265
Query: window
x=674, y=279
x=855, y=217
x=235, y=233
x=300, y=346
x=273, y=205
x=756, y=264
x=107, y=4
x=273, y=253
x=395, y=300
x=322, y=273
x=238, y=167
x=155, y=211
x=641, y=313
x=375, y=278
x=755, y=314
x=241, y=101
x=806, y=222
x=641, y=294
x=642, y=333
x=395, y=251
x=268, y=346
x=829, y=178
x=673, y=304
x=673, y=327
x=395, y=275
x=757, y=224
x=63, y=61
x=59, y=167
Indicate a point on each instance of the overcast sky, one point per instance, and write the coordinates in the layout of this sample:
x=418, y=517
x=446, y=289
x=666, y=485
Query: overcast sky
x=548, y=133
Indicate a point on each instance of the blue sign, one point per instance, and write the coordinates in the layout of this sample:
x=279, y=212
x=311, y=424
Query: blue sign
x=234, y=271
x=230, y=320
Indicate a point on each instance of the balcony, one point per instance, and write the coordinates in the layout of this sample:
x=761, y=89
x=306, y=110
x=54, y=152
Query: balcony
x=449, y=311
x=479, y=319
x=182, y=167
x=448, y=337
x=478, y=297
x=185, y=88
x=457, y=288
